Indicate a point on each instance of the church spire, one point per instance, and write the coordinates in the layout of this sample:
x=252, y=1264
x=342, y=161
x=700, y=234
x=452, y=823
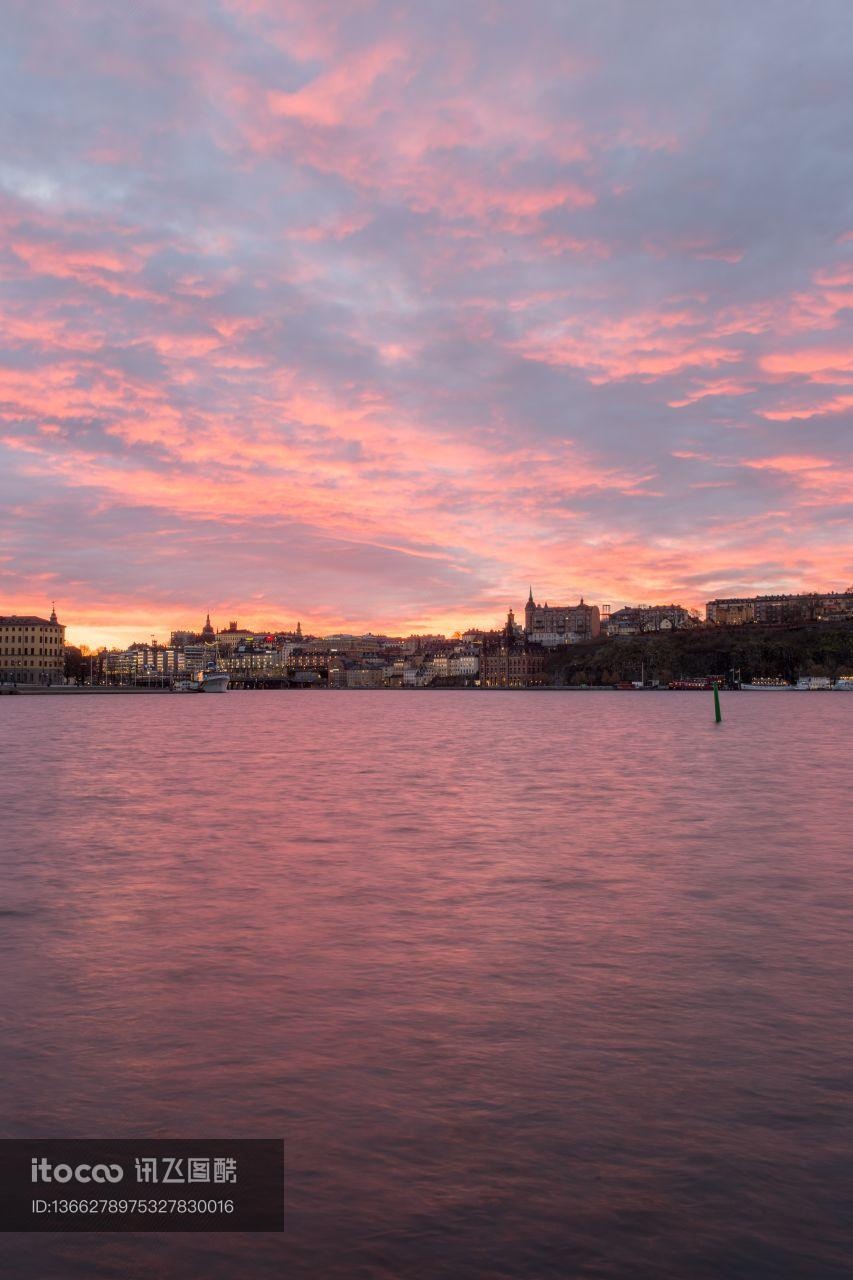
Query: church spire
x=53, y=611
x=530, y=597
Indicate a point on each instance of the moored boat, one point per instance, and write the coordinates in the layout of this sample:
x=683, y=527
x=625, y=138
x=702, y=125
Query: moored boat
x=210, y=680
x=213, y=680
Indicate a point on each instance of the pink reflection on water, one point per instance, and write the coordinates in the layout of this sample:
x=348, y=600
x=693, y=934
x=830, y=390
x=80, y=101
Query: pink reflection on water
x=529, y=983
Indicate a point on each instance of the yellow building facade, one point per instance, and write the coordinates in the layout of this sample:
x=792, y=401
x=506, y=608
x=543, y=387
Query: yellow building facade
x=32, y=650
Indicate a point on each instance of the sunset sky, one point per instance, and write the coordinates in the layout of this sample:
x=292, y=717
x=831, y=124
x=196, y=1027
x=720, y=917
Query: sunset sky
x=371, y=314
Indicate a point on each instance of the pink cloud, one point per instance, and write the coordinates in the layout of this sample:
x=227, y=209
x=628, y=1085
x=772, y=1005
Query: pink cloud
x=712, y=387
x=817, y=362
x=821, y=479
x=622, y=351
x=469, y=298
x=332, y=97
x=830, y=404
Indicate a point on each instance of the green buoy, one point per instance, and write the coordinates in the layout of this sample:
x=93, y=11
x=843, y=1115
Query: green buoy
x=717, y=714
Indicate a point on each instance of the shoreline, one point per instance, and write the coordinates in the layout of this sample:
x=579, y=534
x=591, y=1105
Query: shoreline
x=136, y=691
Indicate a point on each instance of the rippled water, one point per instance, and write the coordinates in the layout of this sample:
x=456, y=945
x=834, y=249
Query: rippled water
x=532, y=984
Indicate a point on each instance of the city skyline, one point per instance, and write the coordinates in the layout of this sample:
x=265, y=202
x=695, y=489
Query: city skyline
x=543, y=646
x=366, y=315
x=543, y=621
x=116, y=635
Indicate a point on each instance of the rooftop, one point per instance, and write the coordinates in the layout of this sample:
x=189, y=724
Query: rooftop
x=24, y=619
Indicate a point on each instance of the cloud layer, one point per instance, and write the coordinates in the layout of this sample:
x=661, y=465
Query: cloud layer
x=370, y=314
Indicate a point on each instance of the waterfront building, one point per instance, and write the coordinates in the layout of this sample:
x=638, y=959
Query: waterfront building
x=305, y=679
x=637, y=619
x=311, y=659
x=232, y=636
x=510, y=661
x=730, y=613
x=394, y=672
x=835, y=605
x=561, y=620
x=255, y=659
x=142, y=664
x=416, y=677
x=196, y=656
x=118, y=666
x=464, y=664
x=365, y=677
x=159, y=663
x=32, y=649
x=553, y=639
x=778, y=610
x=336, y=673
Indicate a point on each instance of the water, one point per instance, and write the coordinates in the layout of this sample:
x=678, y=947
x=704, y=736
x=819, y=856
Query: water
x=531, y=984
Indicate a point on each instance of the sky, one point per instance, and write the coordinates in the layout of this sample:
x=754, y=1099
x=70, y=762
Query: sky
x=372, y=314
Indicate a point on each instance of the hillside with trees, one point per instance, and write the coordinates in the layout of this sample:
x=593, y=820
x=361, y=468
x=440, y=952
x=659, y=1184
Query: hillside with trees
x=817, y=649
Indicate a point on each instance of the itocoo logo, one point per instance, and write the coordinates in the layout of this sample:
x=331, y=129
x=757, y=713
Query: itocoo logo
x=44, y=1171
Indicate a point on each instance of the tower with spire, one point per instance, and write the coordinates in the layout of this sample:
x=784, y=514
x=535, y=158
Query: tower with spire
x=207, y=632
x=561, y=621
x=528, y=613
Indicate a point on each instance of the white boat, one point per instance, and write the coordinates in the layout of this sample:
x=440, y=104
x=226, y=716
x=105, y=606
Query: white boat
x=844, y=682
x=770, y=682
x=210, y=677
x=212, y=680
x=813, y=683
